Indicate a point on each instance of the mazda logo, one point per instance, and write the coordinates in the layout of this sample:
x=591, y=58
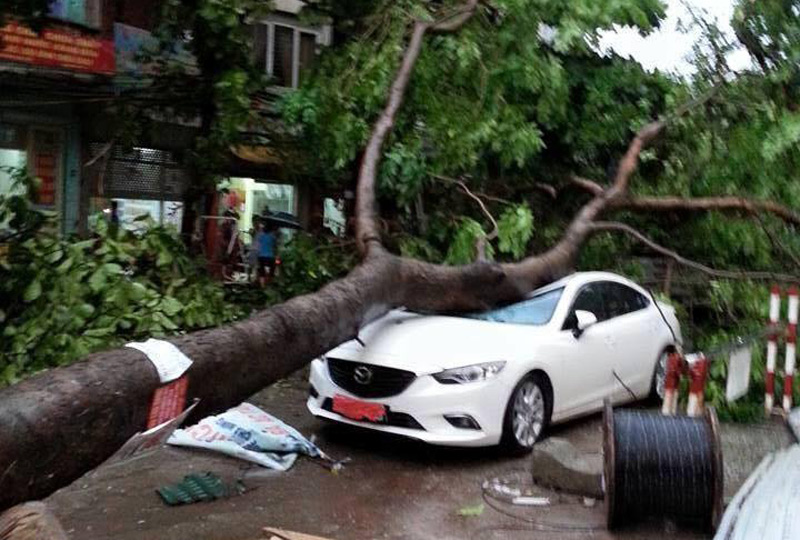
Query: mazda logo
x=362, y=375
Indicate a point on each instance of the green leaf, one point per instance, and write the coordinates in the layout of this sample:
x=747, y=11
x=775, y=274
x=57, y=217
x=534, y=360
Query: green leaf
x=32, y=291
x=471, y=511
x=463, y=247
x=97, y=280
x=55, y=256
x=137, y=291
x=112, y=268
x=164, y=258
x=85, y=310
x=65, y=265
x=171, y=306
x=514, y=230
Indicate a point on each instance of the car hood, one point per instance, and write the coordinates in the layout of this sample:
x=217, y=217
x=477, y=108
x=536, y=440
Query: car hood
x=430, y=343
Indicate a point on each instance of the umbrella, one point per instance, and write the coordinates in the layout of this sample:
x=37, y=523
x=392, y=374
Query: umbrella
x=283, y=220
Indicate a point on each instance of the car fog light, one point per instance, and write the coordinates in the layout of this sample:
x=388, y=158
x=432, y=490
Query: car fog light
x=462, y=421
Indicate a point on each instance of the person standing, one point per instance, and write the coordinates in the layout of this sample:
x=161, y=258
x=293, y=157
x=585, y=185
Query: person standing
x=267, y=242
x=230, y=243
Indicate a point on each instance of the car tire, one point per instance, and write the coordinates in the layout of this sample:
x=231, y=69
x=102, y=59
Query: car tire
x=531, y=400
x=659, y=378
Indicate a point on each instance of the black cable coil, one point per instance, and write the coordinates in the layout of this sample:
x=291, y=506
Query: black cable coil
x=663, y=467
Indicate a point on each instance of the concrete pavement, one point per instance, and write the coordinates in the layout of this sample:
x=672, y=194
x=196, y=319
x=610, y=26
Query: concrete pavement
x=392, y=489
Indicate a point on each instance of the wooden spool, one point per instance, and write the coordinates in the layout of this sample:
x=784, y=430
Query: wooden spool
x=666, y=453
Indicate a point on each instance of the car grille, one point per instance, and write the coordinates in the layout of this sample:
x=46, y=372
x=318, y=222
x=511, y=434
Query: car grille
x=384, y=381
x=396, y=419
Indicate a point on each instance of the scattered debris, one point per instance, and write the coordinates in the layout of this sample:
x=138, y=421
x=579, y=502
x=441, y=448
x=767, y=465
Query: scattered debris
x=471, y=511
x=246, y=432
x=143, y=442
x=531, y=501
x=280, y=534
x=517, y=497
x=30, y=521
x=196, y=488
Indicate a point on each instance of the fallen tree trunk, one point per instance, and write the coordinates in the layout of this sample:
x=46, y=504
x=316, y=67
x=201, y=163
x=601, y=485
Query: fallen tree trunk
x=59, y=424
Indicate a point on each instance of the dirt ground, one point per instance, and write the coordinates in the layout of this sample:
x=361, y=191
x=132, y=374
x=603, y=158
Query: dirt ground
x=392, y=489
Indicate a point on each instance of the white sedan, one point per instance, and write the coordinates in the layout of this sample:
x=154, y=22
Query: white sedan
x=501, y=376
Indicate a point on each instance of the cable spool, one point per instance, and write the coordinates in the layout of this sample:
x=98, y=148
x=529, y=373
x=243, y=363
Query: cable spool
x=662, y=466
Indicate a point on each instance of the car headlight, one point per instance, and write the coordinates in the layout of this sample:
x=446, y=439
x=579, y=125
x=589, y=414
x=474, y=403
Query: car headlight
x=468, y=374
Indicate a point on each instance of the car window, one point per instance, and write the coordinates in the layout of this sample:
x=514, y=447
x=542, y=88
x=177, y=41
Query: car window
x=536, y=310
x=590, y=298
x=621, y=299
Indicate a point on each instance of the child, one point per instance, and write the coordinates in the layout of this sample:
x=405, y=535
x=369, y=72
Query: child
x=267, y=247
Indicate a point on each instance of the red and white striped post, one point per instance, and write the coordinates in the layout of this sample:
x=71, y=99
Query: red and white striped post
x=791, y=340
x=671, y=379
x=772, y=349
x=698, y=372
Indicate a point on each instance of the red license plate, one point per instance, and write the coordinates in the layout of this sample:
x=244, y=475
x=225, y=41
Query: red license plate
x=355, y=409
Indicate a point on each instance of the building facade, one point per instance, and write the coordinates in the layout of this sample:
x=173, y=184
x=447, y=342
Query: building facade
x=59, y=89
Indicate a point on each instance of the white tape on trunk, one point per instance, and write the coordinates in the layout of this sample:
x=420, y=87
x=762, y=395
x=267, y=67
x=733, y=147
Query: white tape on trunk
x=168, y=359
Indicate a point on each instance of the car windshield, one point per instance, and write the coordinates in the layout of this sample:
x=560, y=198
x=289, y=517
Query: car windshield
x=535, y=310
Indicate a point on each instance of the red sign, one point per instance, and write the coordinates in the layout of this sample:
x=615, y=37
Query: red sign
x=168, y=402
x=57, y=48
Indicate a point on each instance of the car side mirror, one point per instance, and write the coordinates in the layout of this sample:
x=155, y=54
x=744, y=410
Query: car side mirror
x=584, y=319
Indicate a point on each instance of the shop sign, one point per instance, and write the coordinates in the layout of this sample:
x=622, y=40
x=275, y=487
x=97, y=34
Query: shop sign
x=59, y=48
x=133, y=45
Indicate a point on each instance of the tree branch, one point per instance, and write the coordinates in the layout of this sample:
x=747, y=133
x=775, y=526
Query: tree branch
x=367, y=229
x=723, y=204
x=455, y=20
x=777, y=245
x=492, y=235
x=588, y=185
x=692, y=204
x=713, y=272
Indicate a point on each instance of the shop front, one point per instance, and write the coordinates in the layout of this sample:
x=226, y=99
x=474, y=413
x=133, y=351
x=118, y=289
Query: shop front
x=47, y=148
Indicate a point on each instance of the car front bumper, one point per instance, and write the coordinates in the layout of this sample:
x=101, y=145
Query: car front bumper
x=427, y=402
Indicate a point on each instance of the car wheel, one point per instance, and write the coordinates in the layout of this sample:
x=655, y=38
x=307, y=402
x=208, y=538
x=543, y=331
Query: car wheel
x=527, y=414
x=657, y=389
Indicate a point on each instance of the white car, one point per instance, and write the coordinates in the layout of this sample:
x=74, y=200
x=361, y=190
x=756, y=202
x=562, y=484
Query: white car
x=501, y=376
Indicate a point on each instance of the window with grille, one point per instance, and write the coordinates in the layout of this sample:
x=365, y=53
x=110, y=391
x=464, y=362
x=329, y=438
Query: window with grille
x=285, y=51
x=142, y=173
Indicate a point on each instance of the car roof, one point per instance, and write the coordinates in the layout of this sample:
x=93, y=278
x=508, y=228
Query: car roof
x=580, y=278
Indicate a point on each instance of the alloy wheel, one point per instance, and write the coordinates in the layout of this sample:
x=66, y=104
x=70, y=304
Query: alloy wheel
x=529, y=412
